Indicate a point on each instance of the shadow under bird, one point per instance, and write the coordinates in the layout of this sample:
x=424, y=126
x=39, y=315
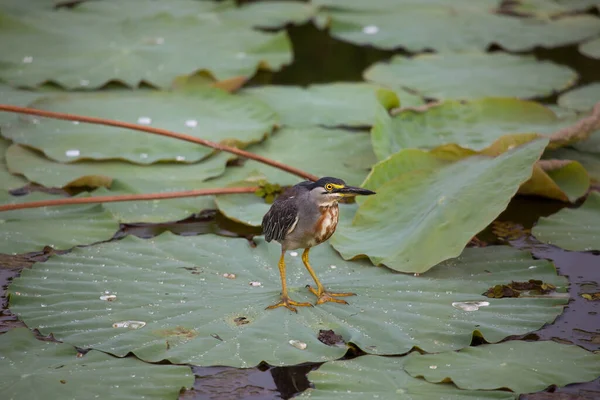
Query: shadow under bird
x=304, y=216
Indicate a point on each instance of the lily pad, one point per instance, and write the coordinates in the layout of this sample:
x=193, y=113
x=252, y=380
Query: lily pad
x=272, y=14
x=428, y=210
x=8, y=181
x=157, y=313
x=589, y=160
x=247, y=209
x=143, y=178
x=522, y=367
x=60, y=227
x=591, y=48
x=573, y=229
x=466, y=75
x=453, y=27
x=581, y=99
x=154, y=47
x=383, y=378
x=548, y=8
x=153, y=211
x=472, y=124
x=210, y=114
x=322, y=152
x=564, y=180
x=336, y=104
x=59, y=373
x=16, y=97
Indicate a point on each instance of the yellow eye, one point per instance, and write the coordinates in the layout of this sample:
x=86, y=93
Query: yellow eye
x=329, y=187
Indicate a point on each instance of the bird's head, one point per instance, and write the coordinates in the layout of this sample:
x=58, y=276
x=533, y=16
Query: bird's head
x=328, y=190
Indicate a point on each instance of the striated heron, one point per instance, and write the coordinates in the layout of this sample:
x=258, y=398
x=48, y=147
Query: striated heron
x=304, y=216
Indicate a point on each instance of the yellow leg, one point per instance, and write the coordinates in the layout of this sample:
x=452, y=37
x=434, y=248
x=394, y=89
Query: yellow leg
x=285, y=299
x=323, y=296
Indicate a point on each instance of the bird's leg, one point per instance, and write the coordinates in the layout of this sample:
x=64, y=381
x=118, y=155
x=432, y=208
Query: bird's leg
x=323, y=296
x=285, y=299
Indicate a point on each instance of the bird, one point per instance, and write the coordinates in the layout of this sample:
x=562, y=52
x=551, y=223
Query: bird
x=304, y=216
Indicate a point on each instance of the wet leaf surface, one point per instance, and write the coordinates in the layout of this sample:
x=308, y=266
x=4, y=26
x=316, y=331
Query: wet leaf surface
x=517, y=365
x=60, y=373
x=153, y=46
x=152, y=285
x=205, y=113
x=383, y=378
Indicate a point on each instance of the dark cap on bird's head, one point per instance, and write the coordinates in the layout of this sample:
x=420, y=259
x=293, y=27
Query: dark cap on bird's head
x=336, y=186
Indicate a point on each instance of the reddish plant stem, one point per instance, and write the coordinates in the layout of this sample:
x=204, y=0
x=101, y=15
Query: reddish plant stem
x=158, y=131
x=127, y=197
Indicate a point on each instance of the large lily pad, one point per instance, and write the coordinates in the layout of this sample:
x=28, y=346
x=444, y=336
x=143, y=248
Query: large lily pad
x=60, y=227
x=470, y=124
x=564, y=180
x=210, y=114
x=193, y=301
x=453, y=27
x=336, y=104
x=383, y=378
x=576, y=230
x=428, y=207
x=152, y=47
x=272, y=14
x=35, y=369
x=581, y=99
x=466, y=75
x=522, y=367
x=144, y=178
x=322, y=152
x=591, y=48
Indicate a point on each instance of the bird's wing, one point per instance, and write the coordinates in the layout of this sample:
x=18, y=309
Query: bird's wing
x=281, y=219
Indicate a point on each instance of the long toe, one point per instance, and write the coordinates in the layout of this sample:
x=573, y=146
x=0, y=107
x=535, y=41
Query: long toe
x=289, y=304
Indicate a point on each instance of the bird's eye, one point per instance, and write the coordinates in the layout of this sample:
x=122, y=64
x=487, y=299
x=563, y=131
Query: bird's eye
x=329, y=187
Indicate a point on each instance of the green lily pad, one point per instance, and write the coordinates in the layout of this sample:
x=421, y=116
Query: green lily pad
x=35, y=369
x=322, y=152
x=272, y=14
x=210, y=114
x=143, y=178
x=60, y=227
x=522, y=367
x=548, y=8
x=456, y=27
x=153, y=211
x=564, y=180
x=589, y=160
x=581, y=99
x=466, y=75
x=153, y=47
x=15, y=97
x=573, y=229
x=472, y=124
x=247, y=209
x=386, y=5
x=336, y=104
x=591, y=48
x=383, y=378
x=156, y=284
x=8, y=181
x=430, y=206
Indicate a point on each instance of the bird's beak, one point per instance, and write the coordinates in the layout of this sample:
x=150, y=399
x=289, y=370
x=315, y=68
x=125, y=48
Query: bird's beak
x=351, y=191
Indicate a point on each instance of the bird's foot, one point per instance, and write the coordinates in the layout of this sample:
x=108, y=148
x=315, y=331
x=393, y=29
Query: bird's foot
x=289, y=304
x=324, y=296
